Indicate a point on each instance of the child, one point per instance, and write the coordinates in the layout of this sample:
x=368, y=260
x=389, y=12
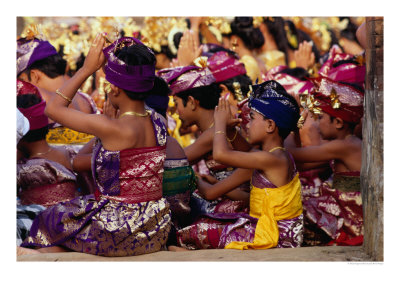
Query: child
x=44, y=174
x=127, y=214
x=196, y=94
x=275, y=199
x=39, y=64
x=338, y=212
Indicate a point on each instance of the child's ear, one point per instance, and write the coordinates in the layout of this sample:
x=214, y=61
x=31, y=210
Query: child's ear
x=115, y=90
x=270, y=125
x=339, y=123
x=35, y=76
x=224, y=88
x=192, y=103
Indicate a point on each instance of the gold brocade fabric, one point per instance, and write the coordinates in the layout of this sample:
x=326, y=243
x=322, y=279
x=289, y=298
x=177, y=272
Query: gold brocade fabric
x=63, y=136
x=273, y=58
x=252, y=69
x=270, y=205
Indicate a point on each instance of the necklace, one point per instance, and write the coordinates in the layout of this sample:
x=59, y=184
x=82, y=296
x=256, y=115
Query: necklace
x=273, y=149
x=212, y=124
x=134, y=113
x=41, y=153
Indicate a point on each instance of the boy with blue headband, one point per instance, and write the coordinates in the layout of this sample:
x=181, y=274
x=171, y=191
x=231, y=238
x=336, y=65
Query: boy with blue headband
x=275, y=197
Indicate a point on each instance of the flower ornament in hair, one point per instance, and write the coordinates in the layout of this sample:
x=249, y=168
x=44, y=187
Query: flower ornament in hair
x=238, y=91
x=201, y=61
x=335, y=99
x=307, y=101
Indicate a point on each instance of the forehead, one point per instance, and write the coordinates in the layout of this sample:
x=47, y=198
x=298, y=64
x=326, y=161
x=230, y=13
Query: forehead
x=255, y=114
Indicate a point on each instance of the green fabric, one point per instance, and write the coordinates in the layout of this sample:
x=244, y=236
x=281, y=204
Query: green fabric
x=178, y=180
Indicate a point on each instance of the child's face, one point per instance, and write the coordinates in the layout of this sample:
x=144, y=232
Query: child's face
x=256, y=127
x=184, y=112
x=326, y=127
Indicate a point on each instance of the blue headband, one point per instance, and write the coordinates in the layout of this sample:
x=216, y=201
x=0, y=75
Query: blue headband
x=275, y=106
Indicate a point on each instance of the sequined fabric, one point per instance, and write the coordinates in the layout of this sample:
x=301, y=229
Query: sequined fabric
x=44, y=182
x=60, y=135
x=336, y=212
x=109, y=225
x=104, y=227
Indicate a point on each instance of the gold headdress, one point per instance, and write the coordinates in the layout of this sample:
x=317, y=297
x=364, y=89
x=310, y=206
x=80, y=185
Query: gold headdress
x=157, y=32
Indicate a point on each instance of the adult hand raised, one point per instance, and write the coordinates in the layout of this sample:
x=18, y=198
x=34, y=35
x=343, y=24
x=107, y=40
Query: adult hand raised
x=188, y=49
x=304, y=56
x=95, y=58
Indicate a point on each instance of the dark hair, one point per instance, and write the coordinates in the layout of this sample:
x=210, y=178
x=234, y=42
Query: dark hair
x=351, y=125
x=251, y=36
x=244, y=82
x=135, y=55
x=160, y=88
x=52, y=66
x=297, y=72
x=26, y=101
x=209, y=49
x=276, y=27
x=301, y=36
x=208, y=96
x=350, y=31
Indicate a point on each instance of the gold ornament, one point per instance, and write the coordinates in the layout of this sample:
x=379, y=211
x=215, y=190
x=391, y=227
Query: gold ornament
x=334, y=99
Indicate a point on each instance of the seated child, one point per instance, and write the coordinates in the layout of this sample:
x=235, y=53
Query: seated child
x=338, y=211
x=275, y=218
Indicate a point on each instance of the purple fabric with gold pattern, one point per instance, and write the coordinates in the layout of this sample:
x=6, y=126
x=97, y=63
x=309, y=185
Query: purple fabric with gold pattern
x=29, y=51
x=224, y=66
x=185, y=78
x=44, y=182
x=138, y=78
x=112, y=225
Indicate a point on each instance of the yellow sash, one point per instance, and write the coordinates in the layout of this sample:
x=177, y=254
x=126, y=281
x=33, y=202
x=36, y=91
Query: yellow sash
x=65, y=136
x=270, y=205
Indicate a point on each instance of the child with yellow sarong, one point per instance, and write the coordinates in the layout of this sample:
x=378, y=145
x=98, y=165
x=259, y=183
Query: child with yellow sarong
x=276, y=218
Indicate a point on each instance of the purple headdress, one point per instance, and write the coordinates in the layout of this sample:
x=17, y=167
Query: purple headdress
x=138, y=78
x=31, y=50
x=185, y=78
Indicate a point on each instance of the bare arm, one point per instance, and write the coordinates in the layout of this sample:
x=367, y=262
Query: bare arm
x=335, y=149
x=200, y=147
x=226, y=186
x=83, y=160
x=57, y=106
x=222, y=152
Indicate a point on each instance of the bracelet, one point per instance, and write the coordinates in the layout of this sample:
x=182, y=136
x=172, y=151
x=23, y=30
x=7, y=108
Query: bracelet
x=220, y=131
x=236, y=132
x=62, y=95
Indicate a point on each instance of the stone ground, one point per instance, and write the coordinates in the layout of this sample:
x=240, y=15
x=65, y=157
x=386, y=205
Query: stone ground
x=318, y=254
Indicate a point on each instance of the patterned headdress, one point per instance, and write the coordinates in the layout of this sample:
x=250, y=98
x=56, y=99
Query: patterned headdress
x=185, y=78
x=344, y=67
x=138, y=78
x=31, y=50
x=272, y=101
x=35, y=114
x=338, y=100
x=224, y=66
x=292, y=85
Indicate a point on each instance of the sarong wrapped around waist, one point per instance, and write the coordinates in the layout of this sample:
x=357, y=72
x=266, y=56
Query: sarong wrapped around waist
x=105, y=227
x=270, y=205
x=50, y=194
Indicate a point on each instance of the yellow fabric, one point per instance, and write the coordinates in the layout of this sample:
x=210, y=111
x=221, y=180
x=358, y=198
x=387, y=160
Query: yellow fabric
x=273, y=58
x=252, y=69
x=63, y=135
x=270, y=205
